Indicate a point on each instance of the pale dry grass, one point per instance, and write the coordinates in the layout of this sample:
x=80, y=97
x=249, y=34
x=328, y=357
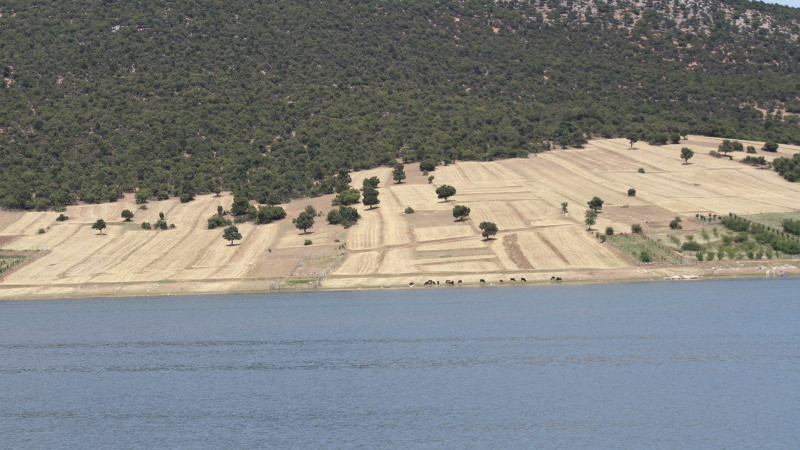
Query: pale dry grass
x=390, y=248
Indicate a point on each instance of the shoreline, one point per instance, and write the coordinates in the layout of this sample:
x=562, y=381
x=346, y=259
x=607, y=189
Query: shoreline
x=737, y=270
x=538, y=237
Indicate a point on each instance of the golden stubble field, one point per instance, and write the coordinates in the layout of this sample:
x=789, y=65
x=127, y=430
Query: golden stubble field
x=389, y=248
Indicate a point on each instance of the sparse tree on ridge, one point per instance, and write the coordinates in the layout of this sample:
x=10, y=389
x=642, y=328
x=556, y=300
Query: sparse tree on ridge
x=461, y=212
x=100, y=225
x=489, y=229
x=127, y=215
x=231, y=234
x=445, y=191
x=686, y=154
x=399, y=173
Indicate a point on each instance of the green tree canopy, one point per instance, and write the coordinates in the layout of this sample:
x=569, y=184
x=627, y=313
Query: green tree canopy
x=304, y=221
x=399, y=173
x=99, y=225
x=686, y=154
x=595, y=204
x=590, y=217
x=445, y=191
x=488, y=229
x=370, y=198
x=348, y=197
x=231, y=234
x=461, y=212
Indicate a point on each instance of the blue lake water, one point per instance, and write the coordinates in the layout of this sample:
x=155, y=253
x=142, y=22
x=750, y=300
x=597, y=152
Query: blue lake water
x=665, y=365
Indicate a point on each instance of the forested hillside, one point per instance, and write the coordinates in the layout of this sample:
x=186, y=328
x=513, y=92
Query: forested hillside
x=274, y=98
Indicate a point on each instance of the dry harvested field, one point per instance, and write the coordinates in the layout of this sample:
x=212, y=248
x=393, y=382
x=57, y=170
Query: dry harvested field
x=389, y=248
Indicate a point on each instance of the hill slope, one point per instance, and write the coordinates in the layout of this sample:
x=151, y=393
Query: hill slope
x=389, y=248
x=275, y=98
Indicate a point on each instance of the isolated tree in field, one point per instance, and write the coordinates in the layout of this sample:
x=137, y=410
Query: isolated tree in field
x=632, y=138
x=231, y=234
x=127, y=215
x=489, y=229
x=631, y=192
x=595, y=204
x=399, y=173
x=100, y=225
x=564, y=206
x=686, y=154
x=370, y=198
x=445, y=191
x=591, y=218
x=461, y=212
x=304, y=221
x=430, y=179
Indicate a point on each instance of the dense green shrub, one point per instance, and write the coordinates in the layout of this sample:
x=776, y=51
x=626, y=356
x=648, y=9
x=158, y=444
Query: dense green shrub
x=217, y=221
x=791, y=226
x=269, y=214
x=691, y=246
x=754, y=160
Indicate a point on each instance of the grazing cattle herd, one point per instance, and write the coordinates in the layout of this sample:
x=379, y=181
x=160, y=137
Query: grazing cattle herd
x=482, y=281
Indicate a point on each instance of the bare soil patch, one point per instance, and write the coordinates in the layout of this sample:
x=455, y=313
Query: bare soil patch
x=511, y=245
